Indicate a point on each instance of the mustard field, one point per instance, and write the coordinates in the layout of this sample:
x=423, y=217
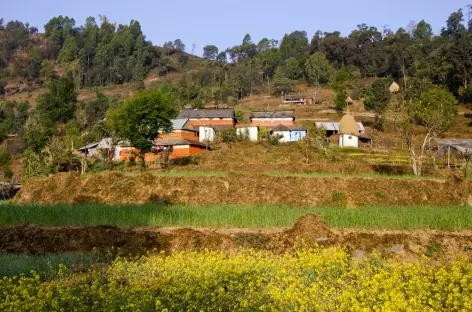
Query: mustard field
x=306, y=280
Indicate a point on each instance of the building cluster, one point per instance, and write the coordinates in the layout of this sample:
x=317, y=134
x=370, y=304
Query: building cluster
x=194, y=130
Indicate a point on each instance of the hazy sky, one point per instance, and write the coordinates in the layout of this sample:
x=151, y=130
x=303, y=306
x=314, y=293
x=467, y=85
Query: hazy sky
x=224, y=23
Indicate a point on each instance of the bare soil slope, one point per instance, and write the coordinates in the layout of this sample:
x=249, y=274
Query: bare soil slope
x=114, y=188
x=308, y=230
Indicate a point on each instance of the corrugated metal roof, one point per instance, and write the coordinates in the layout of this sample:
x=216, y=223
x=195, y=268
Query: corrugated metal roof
x=461, y=145
x=281, y=128
x=89, y=146
x=334, y=126
x=178, y=124
x=273, y=114
x=173, y=141
x=296, y=128
x=206, y=113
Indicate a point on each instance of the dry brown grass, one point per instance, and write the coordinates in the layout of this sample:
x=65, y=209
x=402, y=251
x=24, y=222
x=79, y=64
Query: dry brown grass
x=242, y=189
x=258, y=158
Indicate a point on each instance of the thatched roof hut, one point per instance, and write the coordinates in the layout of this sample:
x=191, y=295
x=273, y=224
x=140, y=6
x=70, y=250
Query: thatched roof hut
x=349, y=100
x=348, y=125
x=394, y=87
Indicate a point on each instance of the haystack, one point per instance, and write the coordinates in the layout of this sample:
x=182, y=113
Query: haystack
x=348, y=125
x=394, y=87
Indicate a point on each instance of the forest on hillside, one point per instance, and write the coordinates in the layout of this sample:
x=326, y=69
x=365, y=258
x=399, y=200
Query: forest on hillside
x=67, y=58
x=103, y=53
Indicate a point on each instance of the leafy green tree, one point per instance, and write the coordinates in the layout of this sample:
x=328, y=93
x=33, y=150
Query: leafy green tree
x=377, y=97
x=210, y=52
x=435, y=111
x=58, y=104
x=69, y=50
x=281, y=84
x=179, y=46
x=292, y=68
x=221, y=58
x=35, y=136
x=47, y=73
x=466, y=94
x=141, y=116
x=423, y=31
x=340, y=101
x=317, y=68
x=95, y=109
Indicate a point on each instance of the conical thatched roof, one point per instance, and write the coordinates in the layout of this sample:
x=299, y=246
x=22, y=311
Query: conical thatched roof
x=349, y=100
x=348, y=125
x=394, y=87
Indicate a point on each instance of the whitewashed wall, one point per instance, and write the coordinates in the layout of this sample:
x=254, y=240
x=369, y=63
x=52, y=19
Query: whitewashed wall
x=206, y=134
x=251, y=131
x=285, y=135
x=346, y=140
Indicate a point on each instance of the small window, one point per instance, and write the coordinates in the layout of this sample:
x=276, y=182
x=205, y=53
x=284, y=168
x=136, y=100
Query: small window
x=350, y=137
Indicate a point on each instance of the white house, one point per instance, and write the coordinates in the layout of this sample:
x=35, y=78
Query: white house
x=348, y=132
x=206, y=134
x=251, y=132
x=283, y=132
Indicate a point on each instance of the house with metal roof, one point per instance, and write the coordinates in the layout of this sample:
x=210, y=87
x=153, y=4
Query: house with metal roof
x=181, y=127
x=289, y=133
x=223, y=118
x=271, y=119
x=333, y=127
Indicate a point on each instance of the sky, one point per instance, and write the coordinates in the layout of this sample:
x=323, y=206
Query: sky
x=224, y=23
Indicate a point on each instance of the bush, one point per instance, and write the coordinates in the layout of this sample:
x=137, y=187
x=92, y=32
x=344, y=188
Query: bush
x=4, y=158
x=239, y=115
x=339, y=197
x=7, y=173
x=229, y=136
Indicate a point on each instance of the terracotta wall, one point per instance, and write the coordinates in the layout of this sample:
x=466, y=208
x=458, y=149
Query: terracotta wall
x=186, y=134
x=191, y=150
x=271, y=123
x=211, y=122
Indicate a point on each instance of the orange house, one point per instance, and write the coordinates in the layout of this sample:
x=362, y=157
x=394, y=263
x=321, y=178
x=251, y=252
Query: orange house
x=272, y=119
x=218, y=118
x=181, y=128
x=182, y=141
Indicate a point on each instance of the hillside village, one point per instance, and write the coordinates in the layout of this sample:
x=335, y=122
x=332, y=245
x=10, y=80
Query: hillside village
x=320, y=172
x=193, y=132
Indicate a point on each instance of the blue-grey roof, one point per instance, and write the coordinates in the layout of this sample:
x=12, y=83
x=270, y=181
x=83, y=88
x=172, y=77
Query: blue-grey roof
x=178, y=124
x=334, y=126
x=206, y=113
x=273, y=114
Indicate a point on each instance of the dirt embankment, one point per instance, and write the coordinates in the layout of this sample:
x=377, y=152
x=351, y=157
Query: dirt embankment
x=114, y=188
x=308, y=230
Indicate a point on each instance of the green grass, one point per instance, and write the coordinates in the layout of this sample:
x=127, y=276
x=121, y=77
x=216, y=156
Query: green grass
x=48, y=265
x=229, y=216
x=348, y=175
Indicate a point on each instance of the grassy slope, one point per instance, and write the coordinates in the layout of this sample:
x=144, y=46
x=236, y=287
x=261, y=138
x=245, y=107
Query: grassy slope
x=231, y=216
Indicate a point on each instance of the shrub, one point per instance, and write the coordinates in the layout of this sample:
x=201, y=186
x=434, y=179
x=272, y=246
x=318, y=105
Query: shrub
x=4, y=158
x=339, y=197
x=7, y=173
x=229, y=136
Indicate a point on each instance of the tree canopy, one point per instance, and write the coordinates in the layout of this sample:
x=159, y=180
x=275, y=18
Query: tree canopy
x=140, y=117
